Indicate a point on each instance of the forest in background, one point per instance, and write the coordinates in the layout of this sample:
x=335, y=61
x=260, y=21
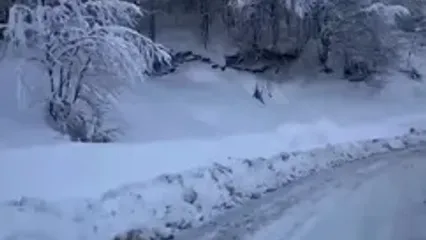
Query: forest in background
x=357, y=38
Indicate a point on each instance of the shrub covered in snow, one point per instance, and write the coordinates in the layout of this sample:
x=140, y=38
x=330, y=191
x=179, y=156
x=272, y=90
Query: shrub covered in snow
x=89, y=52
x=361, y=37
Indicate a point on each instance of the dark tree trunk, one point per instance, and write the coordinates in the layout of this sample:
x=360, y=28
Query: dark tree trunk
x=275, y=23
x=152, y=20
x=205, y=22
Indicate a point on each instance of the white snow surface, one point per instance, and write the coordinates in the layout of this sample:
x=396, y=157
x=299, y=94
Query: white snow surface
x=195, y=144
x=166, y=204
x=100, y=167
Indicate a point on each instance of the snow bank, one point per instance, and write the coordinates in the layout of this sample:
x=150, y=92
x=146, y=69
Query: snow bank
x=45, y=171
x=170, y=203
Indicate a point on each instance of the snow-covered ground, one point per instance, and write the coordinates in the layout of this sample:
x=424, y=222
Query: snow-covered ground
x=166, y=204
x=223, y=105
x=195, y=145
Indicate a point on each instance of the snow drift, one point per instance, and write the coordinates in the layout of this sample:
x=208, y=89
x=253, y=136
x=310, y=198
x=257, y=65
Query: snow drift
x=170, y=203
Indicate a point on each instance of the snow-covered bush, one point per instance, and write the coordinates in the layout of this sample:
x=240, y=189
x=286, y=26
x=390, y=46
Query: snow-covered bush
x=359, y=36
x=89, y=51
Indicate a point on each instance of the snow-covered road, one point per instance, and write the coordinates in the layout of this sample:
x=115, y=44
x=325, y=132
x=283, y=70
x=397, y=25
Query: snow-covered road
x=382, y=198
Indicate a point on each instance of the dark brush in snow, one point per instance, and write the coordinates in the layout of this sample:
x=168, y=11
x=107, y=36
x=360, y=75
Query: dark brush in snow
x=143, y=234
x=258, y=95
x=273, y=58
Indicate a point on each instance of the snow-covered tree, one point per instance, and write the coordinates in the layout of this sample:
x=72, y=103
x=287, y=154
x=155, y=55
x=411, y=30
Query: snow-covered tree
x=355, y=33
x=89, y=51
